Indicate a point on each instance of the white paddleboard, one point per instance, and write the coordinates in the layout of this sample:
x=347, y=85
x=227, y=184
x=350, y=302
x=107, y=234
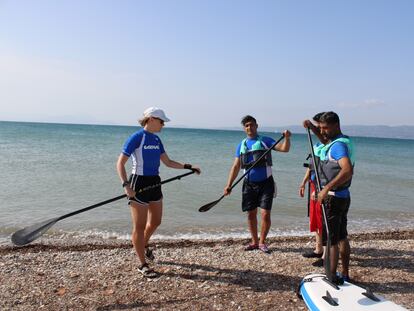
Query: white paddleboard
x=320, y=295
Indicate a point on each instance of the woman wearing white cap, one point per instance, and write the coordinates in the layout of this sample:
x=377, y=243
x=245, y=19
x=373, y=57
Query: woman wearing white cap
x=146, y=150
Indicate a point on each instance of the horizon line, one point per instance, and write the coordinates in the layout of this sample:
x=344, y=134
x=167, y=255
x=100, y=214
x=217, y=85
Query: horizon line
x=186, y=126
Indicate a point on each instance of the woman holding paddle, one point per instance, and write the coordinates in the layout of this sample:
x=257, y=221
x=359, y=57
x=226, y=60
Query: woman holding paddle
x=146, y=150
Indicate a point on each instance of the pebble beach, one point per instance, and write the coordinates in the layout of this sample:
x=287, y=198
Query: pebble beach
x=101, y=274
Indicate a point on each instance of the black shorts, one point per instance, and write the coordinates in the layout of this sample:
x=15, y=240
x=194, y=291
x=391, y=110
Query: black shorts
x=258, y=194
x=336, y=210
x=138, y=182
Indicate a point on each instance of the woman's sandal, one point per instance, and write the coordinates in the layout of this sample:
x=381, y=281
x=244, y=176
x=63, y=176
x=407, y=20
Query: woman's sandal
x=146, y=271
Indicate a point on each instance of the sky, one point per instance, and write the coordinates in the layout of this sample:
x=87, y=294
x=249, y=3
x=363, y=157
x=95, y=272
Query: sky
x=207, y=63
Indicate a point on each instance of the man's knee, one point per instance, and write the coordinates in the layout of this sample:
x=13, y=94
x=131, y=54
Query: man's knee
x=266, y=215
x=344, y=245
x=251, y=215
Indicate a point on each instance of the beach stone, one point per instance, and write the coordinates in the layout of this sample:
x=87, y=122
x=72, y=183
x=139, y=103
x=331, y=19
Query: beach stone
x=100, y=274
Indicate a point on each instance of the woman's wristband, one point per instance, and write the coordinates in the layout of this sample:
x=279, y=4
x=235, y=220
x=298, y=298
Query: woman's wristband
x=188, y=166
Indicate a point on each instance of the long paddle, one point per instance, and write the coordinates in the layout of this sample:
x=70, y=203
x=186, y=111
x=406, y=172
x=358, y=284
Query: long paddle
x=28, y=234
x=208, y=206
x=327, y=263
x=309, y=196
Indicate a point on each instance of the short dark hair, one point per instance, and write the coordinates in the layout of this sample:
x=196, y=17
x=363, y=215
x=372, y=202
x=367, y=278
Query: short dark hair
x=248, y=118
x=329, y=117
x=317, y=116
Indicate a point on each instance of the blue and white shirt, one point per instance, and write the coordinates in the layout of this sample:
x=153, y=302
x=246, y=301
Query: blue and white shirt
x=257, y=174
x=145, y=149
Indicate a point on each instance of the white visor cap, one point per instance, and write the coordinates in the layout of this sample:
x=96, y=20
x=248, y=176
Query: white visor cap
x=156, y=113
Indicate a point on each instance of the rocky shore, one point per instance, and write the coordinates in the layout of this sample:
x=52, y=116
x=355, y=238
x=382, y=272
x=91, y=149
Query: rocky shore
x=100, y=274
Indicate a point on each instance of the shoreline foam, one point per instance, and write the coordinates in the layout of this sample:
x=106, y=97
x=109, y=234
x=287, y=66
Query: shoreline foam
x=205, y=234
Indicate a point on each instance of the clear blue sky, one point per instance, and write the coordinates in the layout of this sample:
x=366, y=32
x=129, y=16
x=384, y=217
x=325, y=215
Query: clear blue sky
x=207, y=63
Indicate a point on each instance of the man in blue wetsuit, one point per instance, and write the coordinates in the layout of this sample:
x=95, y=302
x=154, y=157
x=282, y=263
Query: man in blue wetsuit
x=258, y=186
x=147, y=151
x=335, y=168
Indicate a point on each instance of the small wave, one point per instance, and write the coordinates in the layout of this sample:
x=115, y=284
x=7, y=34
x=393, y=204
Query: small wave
x=201, y=235
x=354, y=226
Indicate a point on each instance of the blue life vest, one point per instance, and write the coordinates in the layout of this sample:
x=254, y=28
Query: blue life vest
x=249, y=156
x=328, y=168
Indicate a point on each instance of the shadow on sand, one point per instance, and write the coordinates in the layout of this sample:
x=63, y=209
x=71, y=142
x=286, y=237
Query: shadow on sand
x=254, y=280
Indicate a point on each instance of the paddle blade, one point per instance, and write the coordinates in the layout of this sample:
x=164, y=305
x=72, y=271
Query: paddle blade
x=26, y=235
x=208, y=206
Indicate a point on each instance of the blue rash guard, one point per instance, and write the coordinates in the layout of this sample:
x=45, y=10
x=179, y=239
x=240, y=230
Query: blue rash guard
x=257, y=174
x=145, y=149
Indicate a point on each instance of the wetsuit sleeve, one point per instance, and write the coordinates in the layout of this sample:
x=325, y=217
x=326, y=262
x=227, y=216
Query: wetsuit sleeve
x=339, y=150
x=237, y=154
x=131, y=144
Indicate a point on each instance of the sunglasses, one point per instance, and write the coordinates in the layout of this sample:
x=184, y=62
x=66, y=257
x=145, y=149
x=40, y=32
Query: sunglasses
x=161, y=121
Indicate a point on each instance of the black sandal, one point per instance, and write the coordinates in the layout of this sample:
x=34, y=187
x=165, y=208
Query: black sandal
x=318, y=263
x=312, y=254
x=146, y=271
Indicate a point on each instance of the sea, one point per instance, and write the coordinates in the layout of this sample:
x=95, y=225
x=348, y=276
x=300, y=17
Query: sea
x=48, y=170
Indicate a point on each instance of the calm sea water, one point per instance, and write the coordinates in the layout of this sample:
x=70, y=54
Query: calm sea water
x=48, y=170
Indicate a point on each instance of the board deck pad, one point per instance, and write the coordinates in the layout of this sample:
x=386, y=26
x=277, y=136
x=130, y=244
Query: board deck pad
x=320, y=295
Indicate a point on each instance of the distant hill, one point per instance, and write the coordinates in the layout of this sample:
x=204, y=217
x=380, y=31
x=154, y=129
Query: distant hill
x=384, y=131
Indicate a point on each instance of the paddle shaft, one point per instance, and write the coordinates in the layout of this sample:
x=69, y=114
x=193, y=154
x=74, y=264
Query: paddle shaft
x=309, y=194
x=319, y=188
x=123, y=196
